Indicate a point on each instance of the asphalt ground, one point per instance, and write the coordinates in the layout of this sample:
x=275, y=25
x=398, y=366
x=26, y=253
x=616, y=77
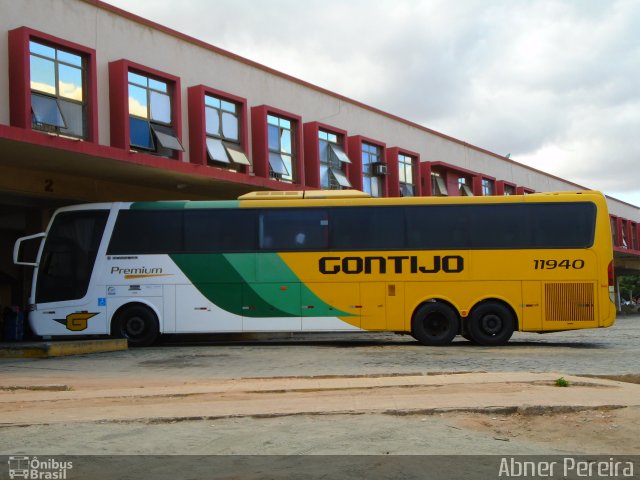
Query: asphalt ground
x=331, y=394
x=610, y=351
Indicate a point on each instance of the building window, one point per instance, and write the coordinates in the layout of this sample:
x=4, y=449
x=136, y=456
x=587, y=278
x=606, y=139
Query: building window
x=463, y=186
x=625, y=244
x=487, y=187
x=58, y=98
x=438, y=185
x=371, y=155
x=332, y=162
x=281, y=161
x=406, y=176
x=614, y=230
x=223, y=133
x=509, y=190
x=150, y=115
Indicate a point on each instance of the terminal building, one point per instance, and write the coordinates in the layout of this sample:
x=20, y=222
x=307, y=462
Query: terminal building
x=101, y=105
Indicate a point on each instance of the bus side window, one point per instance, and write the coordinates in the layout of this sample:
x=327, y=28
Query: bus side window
x=289, y=229
x=437, y=227
x=353, y=229
x=147, y=232
x=498, y=226
x=557, y=225
x=220, y=230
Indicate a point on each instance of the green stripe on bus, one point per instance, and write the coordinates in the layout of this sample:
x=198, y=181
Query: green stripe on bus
x=223, y=286
x=229, y=281
x=185, y=205
x=272, y=273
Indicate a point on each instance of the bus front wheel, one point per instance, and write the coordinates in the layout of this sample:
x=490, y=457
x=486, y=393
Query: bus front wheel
x=435, y=324
x=491, y=324
x=138, y=324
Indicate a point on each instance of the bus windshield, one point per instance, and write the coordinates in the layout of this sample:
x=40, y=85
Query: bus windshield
x=68, y=255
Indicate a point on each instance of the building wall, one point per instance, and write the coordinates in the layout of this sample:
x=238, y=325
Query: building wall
x=115, y=36
x=39, y=173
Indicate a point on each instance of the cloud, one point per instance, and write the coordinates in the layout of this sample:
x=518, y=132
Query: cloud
x=553, y=83
x=599, y=148
x=137, y=108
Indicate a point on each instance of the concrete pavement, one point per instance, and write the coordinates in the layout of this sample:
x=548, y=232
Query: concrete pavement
x=84, y=400
x=61, y=348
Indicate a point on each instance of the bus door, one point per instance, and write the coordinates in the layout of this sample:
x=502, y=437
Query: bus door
x=373, y=296
x=394, y=299
x=531, y=317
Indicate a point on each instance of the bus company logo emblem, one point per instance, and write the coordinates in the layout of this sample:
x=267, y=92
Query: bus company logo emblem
x=391, y=264
x=76, y=322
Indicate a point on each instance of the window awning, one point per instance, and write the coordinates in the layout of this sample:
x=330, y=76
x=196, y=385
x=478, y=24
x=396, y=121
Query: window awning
x=47, y=111
x=340, y=177
x=339, y=153
x=406, y=190
x=466, y=191
x=237, y=155
x=440, y=186
x=166, y=137
x=216, y=150
x=277, y=164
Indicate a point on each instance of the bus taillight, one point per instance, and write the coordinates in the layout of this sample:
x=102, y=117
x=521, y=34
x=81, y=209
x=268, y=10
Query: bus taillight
x=610, y=273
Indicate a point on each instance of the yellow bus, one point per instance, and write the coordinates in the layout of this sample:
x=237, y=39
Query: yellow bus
x=318, y=261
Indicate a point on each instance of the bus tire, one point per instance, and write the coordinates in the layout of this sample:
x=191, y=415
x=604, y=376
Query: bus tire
x=491, y=324
x=138, y=324
x=435, y=324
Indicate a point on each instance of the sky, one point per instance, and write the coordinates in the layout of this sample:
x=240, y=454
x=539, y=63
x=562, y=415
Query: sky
x=553, y=83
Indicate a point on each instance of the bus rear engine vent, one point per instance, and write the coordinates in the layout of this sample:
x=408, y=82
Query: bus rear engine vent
x=569, y=302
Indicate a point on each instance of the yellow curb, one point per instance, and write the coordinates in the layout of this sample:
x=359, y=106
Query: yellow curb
x=61, y=349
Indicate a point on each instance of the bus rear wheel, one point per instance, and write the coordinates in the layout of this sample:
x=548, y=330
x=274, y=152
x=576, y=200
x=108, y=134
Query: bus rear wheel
x=138, y=324
x=435, y=324
x=491, y=324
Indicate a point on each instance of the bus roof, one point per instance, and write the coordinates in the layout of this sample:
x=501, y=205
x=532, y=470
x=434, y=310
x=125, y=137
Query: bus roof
x=316, y=198
x=356, y=198
x=300, y=194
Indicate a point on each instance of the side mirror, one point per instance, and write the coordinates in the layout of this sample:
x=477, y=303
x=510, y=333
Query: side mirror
x=18, y=245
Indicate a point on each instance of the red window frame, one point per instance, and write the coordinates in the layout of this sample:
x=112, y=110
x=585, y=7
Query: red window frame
x=394, y=170
x=260, y=143
x=20, y=78
x=500, y=187
x=354, y=145
x=477, y=185
x=312, y=150
x=451, y=175
x=197, y=122
x=119, y=102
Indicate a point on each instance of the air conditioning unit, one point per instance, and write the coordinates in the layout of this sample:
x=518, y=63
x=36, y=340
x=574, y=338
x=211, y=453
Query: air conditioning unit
x=379, y=168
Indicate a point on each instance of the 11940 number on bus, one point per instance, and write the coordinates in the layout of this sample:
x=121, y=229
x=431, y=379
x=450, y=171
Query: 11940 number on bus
x=553, y=264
